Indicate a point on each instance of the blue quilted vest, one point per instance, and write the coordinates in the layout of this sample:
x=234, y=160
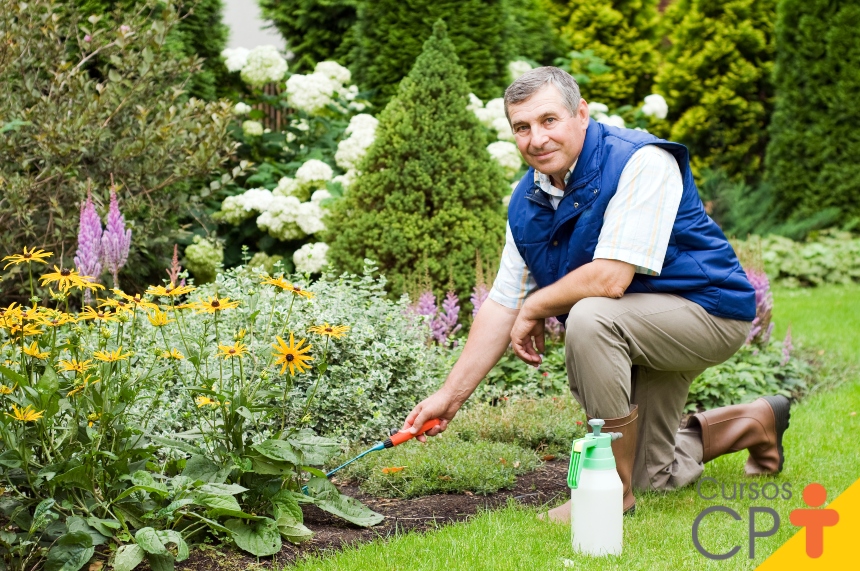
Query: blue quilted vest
x=700, y=265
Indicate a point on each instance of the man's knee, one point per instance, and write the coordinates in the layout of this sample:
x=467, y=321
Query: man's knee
x=589, y=321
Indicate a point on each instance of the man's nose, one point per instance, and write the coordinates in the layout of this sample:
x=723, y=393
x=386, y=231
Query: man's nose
x=539, y=136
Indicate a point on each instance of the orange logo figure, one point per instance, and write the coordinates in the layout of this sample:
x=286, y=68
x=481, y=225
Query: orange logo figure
x=814, y=520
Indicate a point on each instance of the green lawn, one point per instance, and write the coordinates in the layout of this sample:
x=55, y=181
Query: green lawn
x=820, y=446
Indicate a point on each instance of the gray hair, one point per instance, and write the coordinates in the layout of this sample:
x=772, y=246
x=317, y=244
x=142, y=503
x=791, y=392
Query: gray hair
x=536, y=79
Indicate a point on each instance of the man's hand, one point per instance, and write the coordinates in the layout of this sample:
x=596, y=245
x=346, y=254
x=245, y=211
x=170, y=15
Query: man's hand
x=527, y=338
x=439, y=405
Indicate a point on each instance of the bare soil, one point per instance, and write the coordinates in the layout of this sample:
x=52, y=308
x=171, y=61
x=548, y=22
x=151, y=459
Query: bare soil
x=540, y=487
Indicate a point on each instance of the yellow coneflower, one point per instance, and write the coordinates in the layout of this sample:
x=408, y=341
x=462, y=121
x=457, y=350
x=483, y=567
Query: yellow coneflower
x=336, y=331
x=28, y=329
x=67, y=279
x=296, y=290
x=214, y=304
x=279, y=282
x=236, y=350
x=75, y=365
x=135, y=300
x=92, y=418
x=239, y=335
x=292, y=355
x=110, y=357
x=169, y=291
x=118, y=305
x=33, y=351
x=80, y=386
x=26, y=414
x=97, y=314
x=4, y=390
x=172, y=354
x=34, y=255
x=54, y=318
x=205, y=401
x=158, y=319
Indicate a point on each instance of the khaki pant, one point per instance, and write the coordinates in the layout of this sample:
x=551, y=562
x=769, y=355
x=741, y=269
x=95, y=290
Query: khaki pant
x=646, y=349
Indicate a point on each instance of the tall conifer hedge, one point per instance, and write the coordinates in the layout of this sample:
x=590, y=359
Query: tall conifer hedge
x=430, y=195
x=716, y=78
x=813, y=159
x=624, y=34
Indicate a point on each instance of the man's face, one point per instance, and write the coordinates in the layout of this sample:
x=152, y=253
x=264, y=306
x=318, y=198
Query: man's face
x=548, y=136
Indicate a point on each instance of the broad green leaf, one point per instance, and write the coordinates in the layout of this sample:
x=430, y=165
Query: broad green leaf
x=293, y=531
x=171, y=536
x=10, y=459
x=200, y=468
x=327, y=497
x=178, y=504
x=285, y=504
x=179, y=445
x=222, y=489
x=77, y=477
x=221, y=505
x=268, y=467
x=15, y=378
x=316, y=449
x=70, y=552
x=124, y=514
x=48, y=383
x=128, y=557
x=280, y=451
x=42, y=515
x=143, y=479
x=313, y=471
x=259, y=538
x=160, y=562
x=149, y=540
x=76, y=523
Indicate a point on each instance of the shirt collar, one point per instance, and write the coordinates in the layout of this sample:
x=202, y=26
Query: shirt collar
x=545, y=183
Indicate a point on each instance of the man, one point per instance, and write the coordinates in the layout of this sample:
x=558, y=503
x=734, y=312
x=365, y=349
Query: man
x=607, y=231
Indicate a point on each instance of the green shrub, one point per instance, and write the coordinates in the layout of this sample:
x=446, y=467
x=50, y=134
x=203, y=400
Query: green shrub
x=315, y=30
x=531, y=31
x=390, y=34
x=717, y=81
x=71, y=119
x=624, y=34
x=429, y=195
x=444, y=465
x=546, y=425
x=812, y=156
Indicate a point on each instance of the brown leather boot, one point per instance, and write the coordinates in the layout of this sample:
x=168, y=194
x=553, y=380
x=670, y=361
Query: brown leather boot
x=624, y=450
x=757, y=427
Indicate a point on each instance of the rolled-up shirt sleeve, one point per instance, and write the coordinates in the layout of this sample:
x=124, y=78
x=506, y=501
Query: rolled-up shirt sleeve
x=514, y=281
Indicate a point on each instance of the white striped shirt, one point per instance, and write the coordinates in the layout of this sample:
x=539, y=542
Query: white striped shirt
x=636, y=228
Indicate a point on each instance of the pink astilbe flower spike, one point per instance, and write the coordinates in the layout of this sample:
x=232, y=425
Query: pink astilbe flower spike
x=761, y=325
x=88, y=255
x=787, y=348
x=116, y=240
x=446, y=322
x=479, y=296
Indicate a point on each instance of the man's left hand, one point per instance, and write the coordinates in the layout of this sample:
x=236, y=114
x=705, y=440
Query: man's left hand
x=527, y=338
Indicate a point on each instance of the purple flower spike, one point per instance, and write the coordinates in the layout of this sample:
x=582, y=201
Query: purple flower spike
x=479, y=296
x=761, y=325
x=426, y=304
x=116, y=240
x=87, y=258
x=787, y=348
x=445, y=324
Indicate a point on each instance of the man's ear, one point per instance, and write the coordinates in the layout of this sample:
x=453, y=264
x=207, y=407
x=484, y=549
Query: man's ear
x=582, y=111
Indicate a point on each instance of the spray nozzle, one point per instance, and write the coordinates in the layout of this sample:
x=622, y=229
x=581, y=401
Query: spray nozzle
x=593, y=452
x=596, y=424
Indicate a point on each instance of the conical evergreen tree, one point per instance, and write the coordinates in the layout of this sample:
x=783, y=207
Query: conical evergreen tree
x=389, y=35
x=430, y=195
x=624, y=33
x=812, y=159
x=716, y=79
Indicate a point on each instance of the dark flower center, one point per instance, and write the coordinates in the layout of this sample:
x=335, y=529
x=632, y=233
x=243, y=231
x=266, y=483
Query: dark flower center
x=65, y=273
x=27, y=256
x=290, y=357
x=215, y=303
x=232, y=351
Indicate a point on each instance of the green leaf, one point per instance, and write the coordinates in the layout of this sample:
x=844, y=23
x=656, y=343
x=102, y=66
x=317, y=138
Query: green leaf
x=144, y=480
x=313, y=471
x=128, y=557
x=76, y=523
x=70, y=552
x=42, y=515
x=316, y=449
x=14, y=377
x=258, y=538
x=222, y=489
x=174, y=537
x=292, y=530
x=10, y=459
x=222, y=505
x=327, y=497
x=268, y=467
x=285, y=503
x=48, y=383
x=178, y=504
x=77, y=477
x=279, y=450
x=149, y=540
x=179, y=445
x=200, y=468
x=160, y=562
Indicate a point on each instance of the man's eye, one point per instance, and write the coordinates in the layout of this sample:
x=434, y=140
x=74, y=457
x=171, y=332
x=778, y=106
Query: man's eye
x=522, y=128
x=550, y=120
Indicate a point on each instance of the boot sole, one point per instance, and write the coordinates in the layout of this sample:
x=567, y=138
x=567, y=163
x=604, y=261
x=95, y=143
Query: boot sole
x=781, y=414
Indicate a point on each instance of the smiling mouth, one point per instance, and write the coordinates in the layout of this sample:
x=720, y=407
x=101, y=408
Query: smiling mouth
x=542, y=155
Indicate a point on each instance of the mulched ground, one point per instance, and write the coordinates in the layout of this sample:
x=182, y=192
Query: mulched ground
x=542, y=486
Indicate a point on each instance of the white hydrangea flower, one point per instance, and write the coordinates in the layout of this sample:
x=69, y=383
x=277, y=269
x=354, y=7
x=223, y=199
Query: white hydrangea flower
x=320, y=195
x=310, y=217
x=611, y=120
x=474, y=103
x=311, y=258
x=334, y=71
x=503, y=129
x=517, y=68
x=264, y=65
x=235, y=58
x=314, y=173
x=506, y=200
x=508, y=156
x=346, y=179
x=280, y=219
x=287, y=187
x=362, y=132
x=310, y=93
x=241, y=109
x=497, y=106
x=252, y=128
x=362, y=123
x=595, y=108
x=655, y=106
x=237, y=208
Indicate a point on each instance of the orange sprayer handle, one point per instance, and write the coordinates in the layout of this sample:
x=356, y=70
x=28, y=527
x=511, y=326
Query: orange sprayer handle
x=402, y=436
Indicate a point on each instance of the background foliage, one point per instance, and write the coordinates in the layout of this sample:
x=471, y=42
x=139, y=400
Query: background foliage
x=811, y=159
x=429, y=196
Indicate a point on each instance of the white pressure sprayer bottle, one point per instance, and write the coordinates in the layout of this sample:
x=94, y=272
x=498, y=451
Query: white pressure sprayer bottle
x=596, y=494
